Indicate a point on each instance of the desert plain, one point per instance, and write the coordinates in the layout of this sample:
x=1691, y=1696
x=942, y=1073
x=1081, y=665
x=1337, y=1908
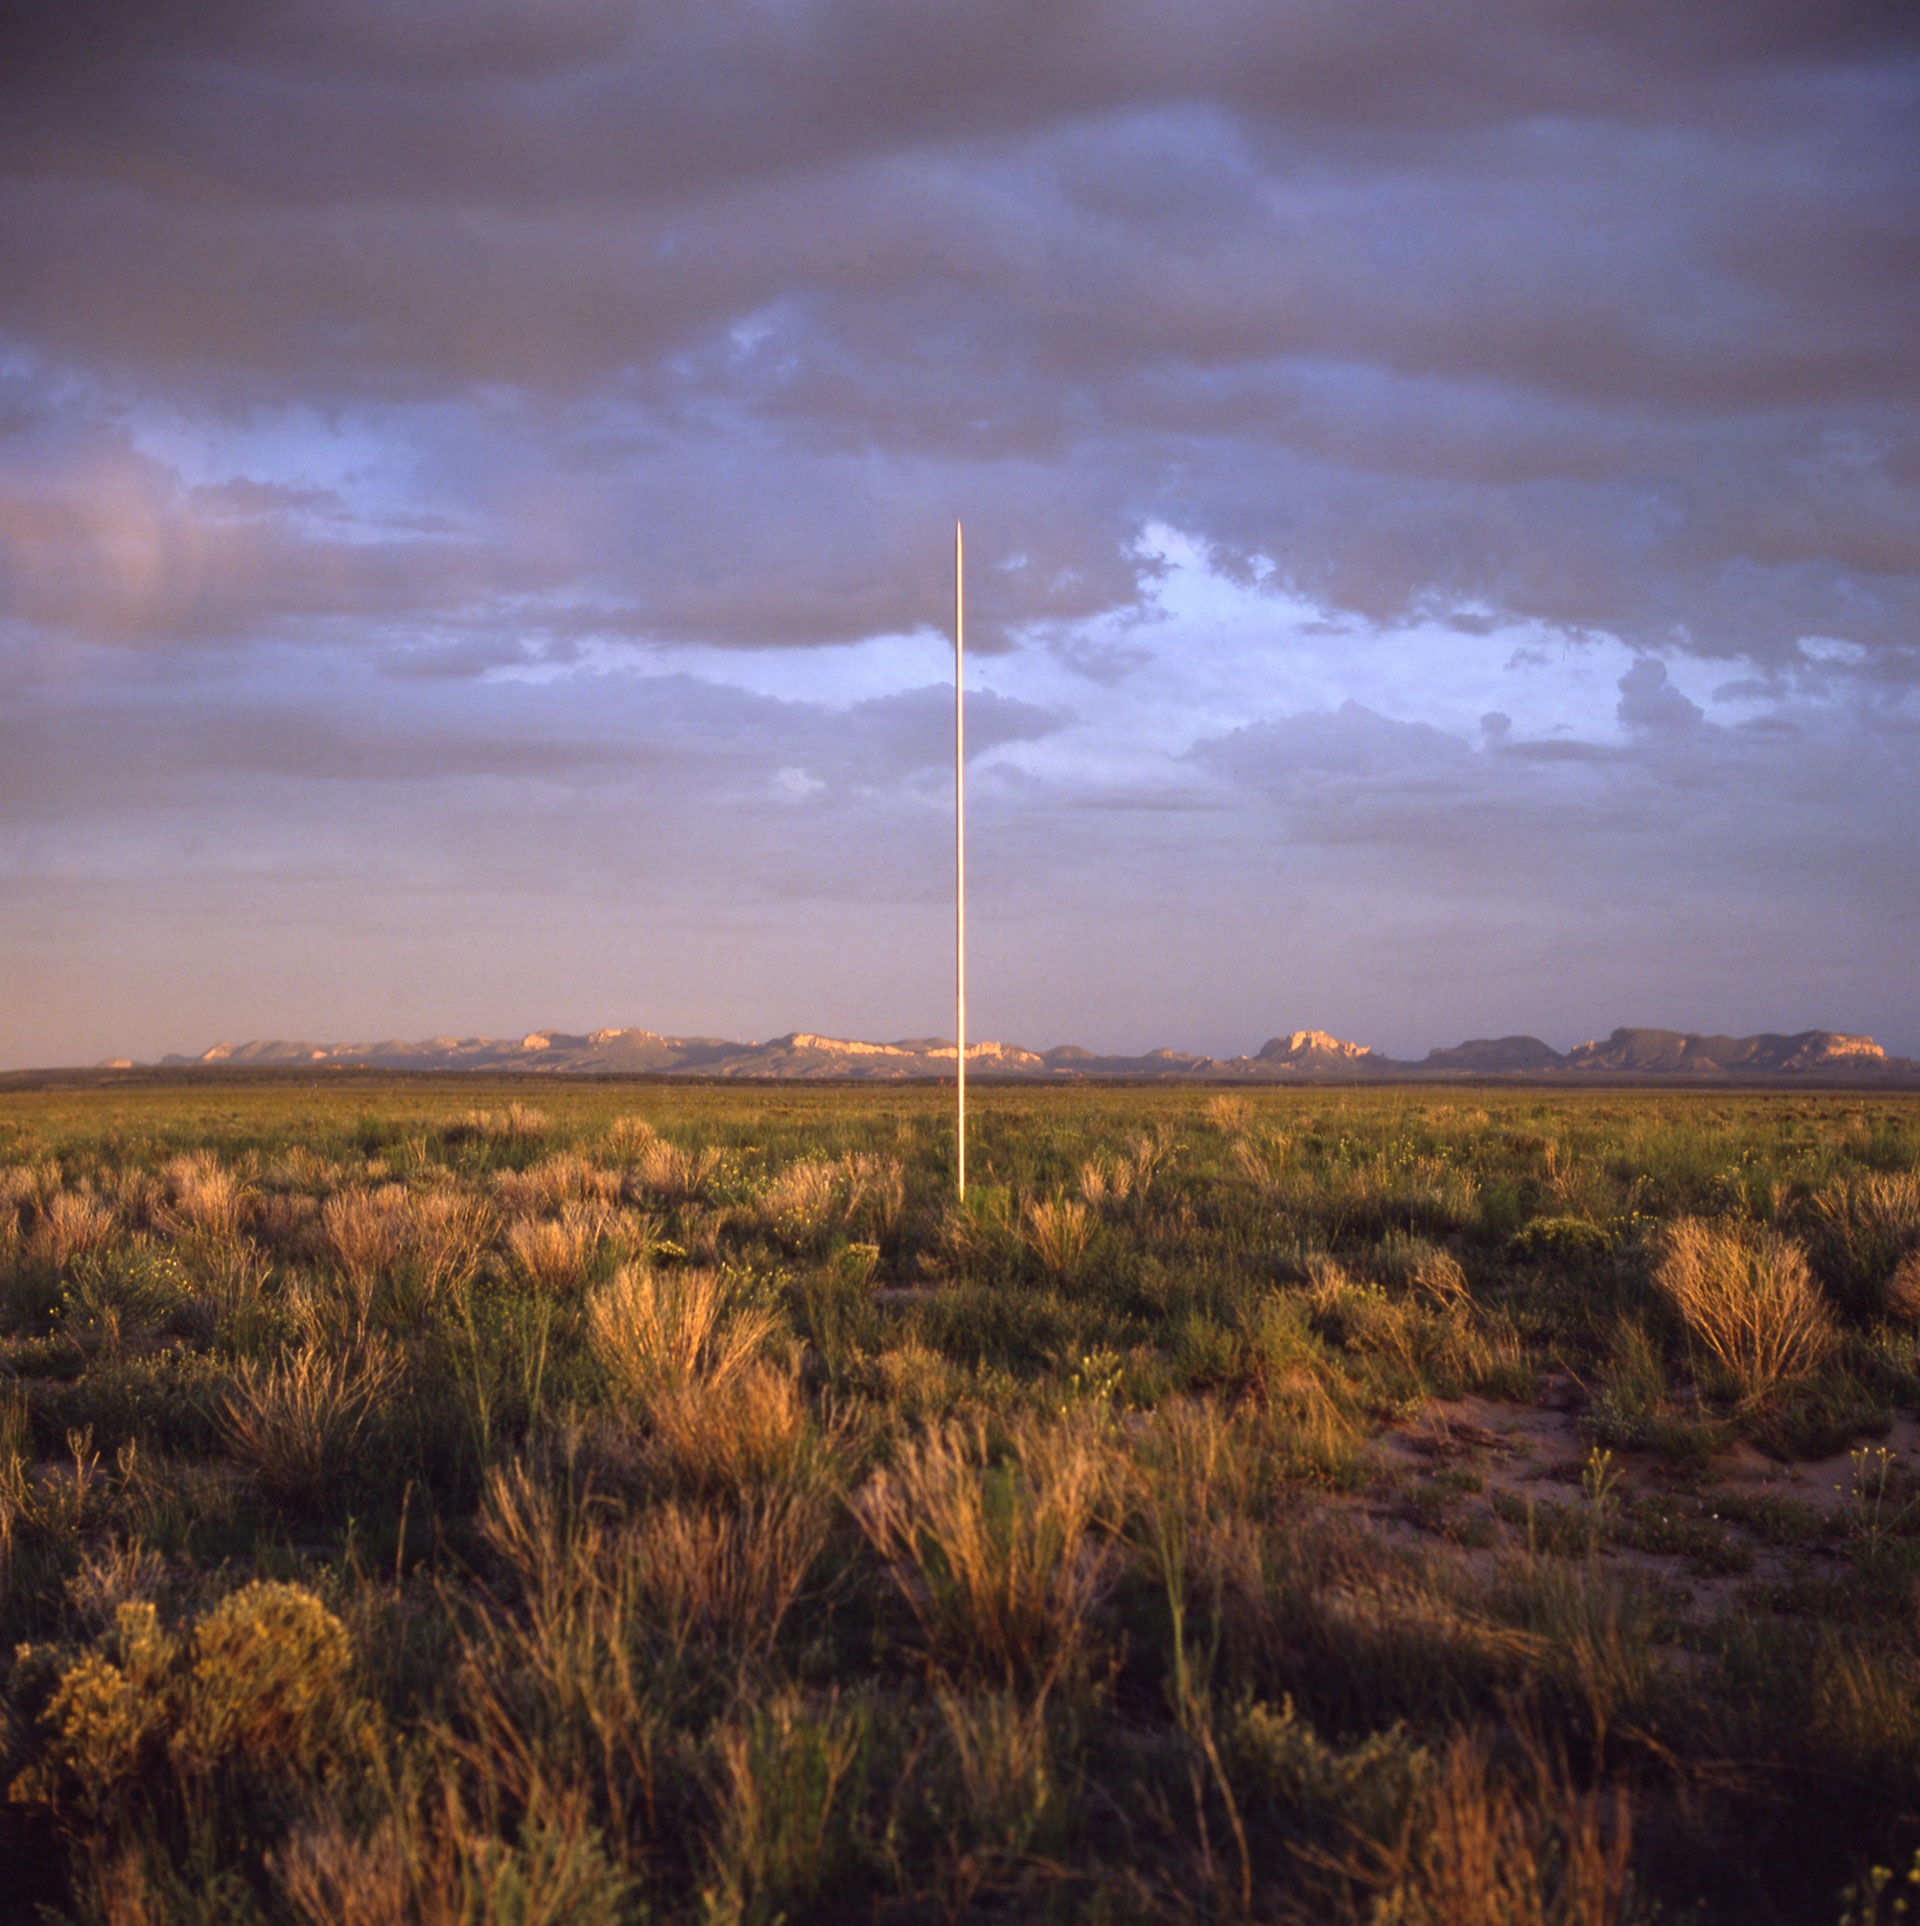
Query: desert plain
x=471, y=1498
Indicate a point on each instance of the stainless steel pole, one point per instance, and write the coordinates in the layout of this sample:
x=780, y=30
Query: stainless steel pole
x=960, y=860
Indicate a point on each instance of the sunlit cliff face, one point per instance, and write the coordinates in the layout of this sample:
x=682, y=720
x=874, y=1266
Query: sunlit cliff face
x=476, y=499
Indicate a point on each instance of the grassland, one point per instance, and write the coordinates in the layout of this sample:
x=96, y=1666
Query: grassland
x=434, y=1500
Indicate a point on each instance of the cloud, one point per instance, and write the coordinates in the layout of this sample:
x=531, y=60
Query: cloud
x=1649, y=702
x=523, y=442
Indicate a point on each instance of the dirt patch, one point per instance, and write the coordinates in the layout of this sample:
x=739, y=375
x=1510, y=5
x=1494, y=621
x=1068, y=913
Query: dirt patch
x=1496, y=1480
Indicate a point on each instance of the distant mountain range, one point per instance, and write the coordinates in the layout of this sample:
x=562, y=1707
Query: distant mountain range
x=1302, y=1056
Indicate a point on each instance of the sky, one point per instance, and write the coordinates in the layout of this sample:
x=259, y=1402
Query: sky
x=477, y=487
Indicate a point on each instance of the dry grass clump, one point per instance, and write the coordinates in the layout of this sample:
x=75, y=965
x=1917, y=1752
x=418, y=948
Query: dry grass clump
x=206, y=1197
x=138, y=1198
x=1862, y=1226
x=674, y=1175
x=446, y=1235
x=876, y=1189
x=1440, y=1278
x=1422, y=1343
x=1056, y=1232
x=1747, y=1296
x=806, y=1200
x=726, y=1575
x=1227, y=1114
x=1106, y=1182
x=439, y=1863
x=779, y=1779
x=1524, y=1848
x=1002, y=1564
x=625, y=1135
x=403, y=1254
x=1194, y=1460
x=1015, y=1797
x=518, y=1123
x=750, y=1431
x=557, y=1254
x=365, y=1231
x=679, y=1576
x=71, y=1224
x=553, y=1183
x=300, y=1167
x=1903, y=1290
x=1262, y=1161
x=295, y=1422
x=915, y=1383
x=24, y=1187
x=660, y=1334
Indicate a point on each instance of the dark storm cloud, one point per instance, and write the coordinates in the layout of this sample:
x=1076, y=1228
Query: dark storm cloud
x=1537, y=314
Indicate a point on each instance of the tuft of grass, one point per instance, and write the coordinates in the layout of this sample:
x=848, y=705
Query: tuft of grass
x=364, y=1232
x=206, y=1197
x=876, y=1190
x=661, y=1334
x=1015, y=1800
x=784, y=1779
x=557, y=1255
x=673, y=1174
x=295, y=1422
x=1903, y=1290
x=1862, y=1226
x=1263, y=1162
x=1056, y=1230
x=71, y=1224
x=1001, y=1563
x=1524, y=1847
x=749, y=1431
x=803, y=1201
x=1747, y=1297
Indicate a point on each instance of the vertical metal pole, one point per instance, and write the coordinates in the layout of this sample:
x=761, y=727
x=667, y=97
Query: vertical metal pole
x=960, y=860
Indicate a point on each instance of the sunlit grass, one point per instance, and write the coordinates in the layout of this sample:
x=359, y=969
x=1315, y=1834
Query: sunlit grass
x=446, y=1500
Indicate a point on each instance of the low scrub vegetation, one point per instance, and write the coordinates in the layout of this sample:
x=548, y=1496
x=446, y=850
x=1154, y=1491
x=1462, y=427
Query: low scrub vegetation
x=670, y=1503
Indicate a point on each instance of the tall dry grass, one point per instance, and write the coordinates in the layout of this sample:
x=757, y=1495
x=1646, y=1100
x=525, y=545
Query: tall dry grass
x=806, y=1195
x=71, y=1223
x=364, y=1232
x=404, y=1254
x=1263, y=1162
x=206, y=1197
x=782, y=1778
x=597, y=1591
x=748, y=1432
x=672, y=1174
x=1491, y=1847
x=295, y=1422
x=1057, y=1229
x=555, y=1182
x=657, y=1333
x=434, y=1860
x=1016, y=1799
x=1001, y=1563
x=876, y=1189
x=1748, y=1299
x=1903, y=1290
x=557, y=1255
x=1861, y=1227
